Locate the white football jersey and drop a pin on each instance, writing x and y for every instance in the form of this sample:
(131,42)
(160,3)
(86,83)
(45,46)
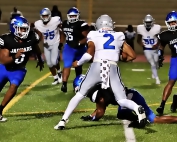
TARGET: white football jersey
(50,31)
(107,44)
(149,38)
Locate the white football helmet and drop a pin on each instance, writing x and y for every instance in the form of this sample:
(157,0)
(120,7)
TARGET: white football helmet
(148,21)
(45,14)
(105,22)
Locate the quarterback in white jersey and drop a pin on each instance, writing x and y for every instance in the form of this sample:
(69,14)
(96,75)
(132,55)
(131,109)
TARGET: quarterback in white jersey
(105,44)
(49,27)
(147,38)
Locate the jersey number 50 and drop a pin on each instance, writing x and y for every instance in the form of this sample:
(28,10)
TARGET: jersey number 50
(107,45)
(149,41)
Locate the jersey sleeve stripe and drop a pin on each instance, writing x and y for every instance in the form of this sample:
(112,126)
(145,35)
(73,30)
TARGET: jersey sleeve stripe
(84,24)
(1,42)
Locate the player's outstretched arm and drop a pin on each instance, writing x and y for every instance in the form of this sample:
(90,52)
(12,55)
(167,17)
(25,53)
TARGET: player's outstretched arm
(166,119)
(5,57)
(131,55)
(84,40)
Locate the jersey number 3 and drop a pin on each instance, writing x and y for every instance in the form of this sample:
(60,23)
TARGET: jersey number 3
(20,59)
(107,45)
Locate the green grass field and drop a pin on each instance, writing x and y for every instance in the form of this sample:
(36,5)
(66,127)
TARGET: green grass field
(32,118)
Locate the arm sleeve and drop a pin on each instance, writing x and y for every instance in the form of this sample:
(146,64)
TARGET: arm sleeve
(84,26)
(162,39)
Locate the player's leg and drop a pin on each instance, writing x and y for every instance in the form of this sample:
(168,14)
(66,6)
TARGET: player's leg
(92,77)
(68,58)
(47,53)
(120,96)
(168,88)
(149,56)
(174,104)
(78,55)
(55,54)
(15,78)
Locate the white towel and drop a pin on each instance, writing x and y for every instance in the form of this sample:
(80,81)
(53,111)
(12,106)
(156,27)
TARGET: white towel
(104,73)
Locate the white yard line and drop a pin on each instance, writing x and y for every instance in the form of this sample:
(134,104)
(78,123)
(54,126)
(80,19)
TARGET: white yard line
(129,133)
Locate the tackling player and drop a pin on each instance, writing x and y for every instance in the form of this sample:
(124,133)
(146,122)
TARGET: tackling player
(169,37)
(103,98)
(147,38)
(49,27)
(105,44)
(14,54)
(75,31)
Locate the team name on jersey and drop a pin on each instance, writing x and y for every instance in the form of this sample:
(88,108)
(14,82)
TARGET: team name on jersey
(68,29)
(173,41)
(26,49)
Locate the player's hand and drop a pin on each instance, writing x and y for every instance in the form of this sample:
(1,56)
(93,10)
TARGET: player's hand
(19,53)
(46,45)
(40,65)
(86,118)
(75,64)
(161,59)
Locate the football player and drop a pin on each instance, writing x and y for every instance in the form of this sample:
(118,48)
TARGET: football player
(147,38)
(169,37)
(15,48)
(103,98)
(75,31)
(105,44)
(50,28)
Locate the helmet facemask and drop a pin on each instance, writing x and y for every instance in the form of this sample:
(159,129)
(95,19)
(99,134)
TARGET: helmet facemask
(21,31)
(73,17)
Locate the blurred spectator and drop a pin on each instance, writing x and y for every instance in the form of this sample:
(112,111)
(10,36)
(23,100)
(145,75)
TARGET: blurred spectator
(15,13)
(56,12)
(130,36)
(0,14)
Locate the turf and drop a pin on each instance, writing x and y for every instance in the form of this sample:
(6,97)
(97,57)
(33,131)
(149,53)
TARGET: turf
(33,117)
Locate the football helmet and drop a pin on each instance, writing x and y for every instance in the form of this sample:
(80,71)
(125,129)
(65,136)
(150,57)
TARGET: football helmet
(73,15)
(45,15)
(171,17)
(148,21)
(105,22)
(77,81)
(20,27)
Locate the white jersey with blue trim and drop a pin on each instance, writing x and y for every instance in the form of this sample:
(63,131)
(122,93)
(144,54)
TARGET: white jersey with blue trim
(50,31)
(107,44)
(149,38)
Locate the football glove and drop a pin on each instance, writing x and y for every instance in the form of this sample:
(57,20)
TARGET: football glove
(40,65)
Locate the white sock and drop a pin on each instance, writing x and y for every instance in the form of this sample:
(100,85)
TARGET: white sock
(128,104)
(154,71)
(72,105)
(56,76)
(58,71)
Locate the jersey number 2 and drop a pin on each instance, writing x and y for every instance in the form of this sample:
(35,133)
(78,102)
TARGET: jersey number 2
(20,59)
(107,45)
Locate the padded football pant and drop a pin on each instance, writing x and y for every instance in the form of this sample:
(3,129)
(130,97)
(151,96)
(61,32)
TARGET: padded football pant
(152,57)
(93,77)
(52,54)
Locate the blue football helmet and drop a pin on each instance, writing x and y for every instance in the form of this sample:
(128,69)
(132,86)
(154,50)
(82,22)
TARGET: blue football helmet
(45,15)
(171,17)
(77,81)
(73,15)
(20,27)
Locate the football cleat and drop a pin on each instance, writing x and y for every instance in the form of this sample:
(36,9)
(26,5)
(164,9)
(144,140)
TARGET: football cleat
(61,124)
(160,110)
(174,104)
(2,119)
(60,77)
(64,88)
(141,117)
(157,81)
(56,81)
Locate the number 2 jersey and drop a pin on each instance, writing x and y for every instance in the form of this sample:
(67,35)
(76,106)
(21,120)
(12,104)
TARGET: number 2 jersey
(149,38)
(73,32)
(107,44)
(50,31)
(170,38)
(9,42)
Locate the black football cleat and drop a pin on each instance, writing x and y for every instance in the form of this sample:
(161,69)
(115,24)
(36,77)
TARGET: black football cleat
(174,104)
(64,88)
(160,110)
